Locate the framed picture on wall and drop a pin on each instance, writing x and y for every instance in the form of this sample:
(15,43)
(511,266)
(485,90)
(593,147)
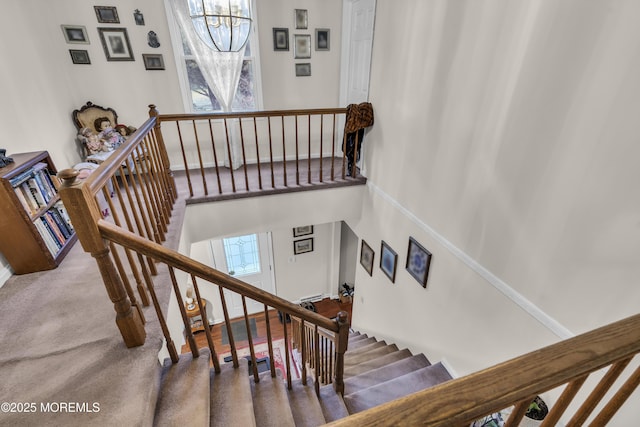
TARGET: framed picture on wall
(107,14)
(303,70)
(280,39)
(388,261)
(366,257)
(79,56)
(115,42)
(302,46)
(75,34)
(302,231)
(418,262)
(153,61)
(322,38)
(303,246)
(301,19)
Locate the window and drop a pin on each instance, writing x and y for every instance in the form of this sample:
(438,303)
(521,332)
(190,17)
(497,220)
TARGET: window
(197,95)
(242,255)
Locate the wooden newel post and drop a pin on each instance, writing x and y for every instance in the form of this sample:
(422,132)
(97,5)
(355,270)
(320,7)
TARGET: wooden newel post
(341,347)
(84,214)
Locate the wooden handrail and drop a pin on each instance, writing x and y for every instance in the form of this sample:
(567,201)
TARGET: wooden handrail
(174,259)
(249,114)
(463,400)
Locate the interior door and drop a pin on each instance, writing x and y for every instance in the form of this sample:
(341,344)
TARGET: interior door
(358,26)
(247,257)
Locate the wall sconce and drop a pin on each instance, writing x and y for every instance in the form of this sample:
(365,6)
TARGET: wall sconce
(223,25)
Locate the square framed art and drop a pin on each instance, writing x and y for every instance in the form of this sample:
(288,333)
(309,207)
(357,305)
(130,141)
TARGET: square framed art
(75,34)
(107,14)
(301,19)
(115,42)
(303,246)
(301,46)
(79,56)
(322,38)
(388,261)
(303,70)
(153,61)
(366,257)
(418,261)
(302,231)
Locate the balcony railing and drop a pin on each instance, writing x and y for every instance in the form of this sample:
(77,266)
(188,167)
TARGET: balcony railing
(122,213)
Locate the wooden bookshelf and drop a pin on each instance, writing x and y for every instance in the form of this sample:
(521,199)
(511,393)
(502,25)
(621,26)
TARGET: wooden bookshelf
(35,233)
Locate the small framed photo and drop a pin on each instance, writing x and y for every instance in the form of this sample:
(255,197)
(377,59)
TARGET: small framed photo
(301,19)
(302,231)
(418,262)
(366,257)
(115,42)
(153,61)
(388,261)
(107,14)
(303,246)
(322,38)
(75,34)
(302,46)
(79,56)
(280,39)
(303,70)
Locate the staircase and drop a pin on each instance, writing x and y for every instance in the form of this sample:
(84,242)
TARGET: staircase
(375,373)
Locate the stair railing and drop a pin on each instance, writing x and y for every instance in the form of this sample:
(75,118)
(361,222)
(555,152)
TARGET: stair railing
(121,213)
(565,365)
(281,145)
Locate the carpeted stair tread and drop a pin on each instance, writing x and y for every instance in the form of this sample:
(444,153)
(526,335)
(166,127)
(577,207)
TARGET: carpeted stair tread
(305,405)
(360,343)
(354,351)
(357,359)
(231,401)
(270,402)
(396,388)
(355,336)
(333,407)
(350,371)
(184,391)
(385,373)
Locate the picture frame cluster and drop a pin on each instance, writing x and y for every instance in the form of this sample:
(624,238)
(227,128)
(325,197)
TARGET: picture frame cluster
(302,42)
(114,40)
(305,245)
(418,261)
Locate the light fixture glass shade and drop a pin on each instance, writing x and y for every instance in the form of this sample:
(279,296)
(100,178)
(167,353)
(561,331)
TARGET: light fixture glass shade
(223,25)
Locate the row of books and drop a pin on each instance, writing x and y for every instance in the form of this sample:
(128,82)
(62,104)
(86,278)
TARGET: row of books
(35,187)
(55,227)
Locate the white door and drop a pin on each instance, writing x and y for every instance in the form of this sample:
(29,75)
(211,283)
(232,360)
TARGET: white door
(358,24)
(248,258)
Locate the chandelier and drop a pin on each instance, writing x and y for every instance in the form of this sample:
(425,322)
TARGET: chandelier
(223,25)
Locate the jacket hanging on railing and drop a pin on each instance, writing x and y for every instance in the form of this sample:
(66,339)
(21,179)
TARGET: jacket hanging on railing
(359,116)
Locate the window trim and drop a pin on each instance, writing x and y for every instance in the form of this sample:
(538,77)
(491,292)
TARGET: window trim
(183,78)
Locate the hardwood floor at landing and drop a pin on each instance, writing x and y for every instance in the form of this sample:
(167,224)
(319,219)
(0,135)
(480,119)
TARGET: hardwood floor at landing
(327,307)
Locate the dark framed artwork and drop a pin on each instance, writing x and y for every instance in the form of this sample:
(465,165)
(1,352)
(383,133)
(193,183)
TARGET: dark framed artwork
(79,56)
(301,20)
(138,17)
(107,14)
(388,261)
(303,70)
(301,46)
(303,246)
(366,257)
(303,231)
(115,42)
(75,34)
(153,61)
(322,38)
(280,39)
(418,261)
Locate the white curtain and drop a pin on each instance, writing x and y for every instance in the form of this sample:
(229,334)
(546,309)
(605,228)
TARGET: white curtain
(221,71)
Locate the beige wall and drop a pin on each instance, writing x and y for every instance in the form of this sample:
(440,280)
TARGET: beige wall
(518,122)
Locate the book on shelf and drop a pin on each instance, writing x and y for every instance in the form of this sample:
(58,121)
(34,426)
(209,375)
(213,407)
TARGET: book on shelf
(55,231)
(63,212)
(46,237)
(37,194)
(62,226)
(26,192)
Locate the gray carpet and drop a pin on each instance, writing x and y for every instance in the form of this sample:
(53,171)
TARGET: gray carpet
(60,344)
